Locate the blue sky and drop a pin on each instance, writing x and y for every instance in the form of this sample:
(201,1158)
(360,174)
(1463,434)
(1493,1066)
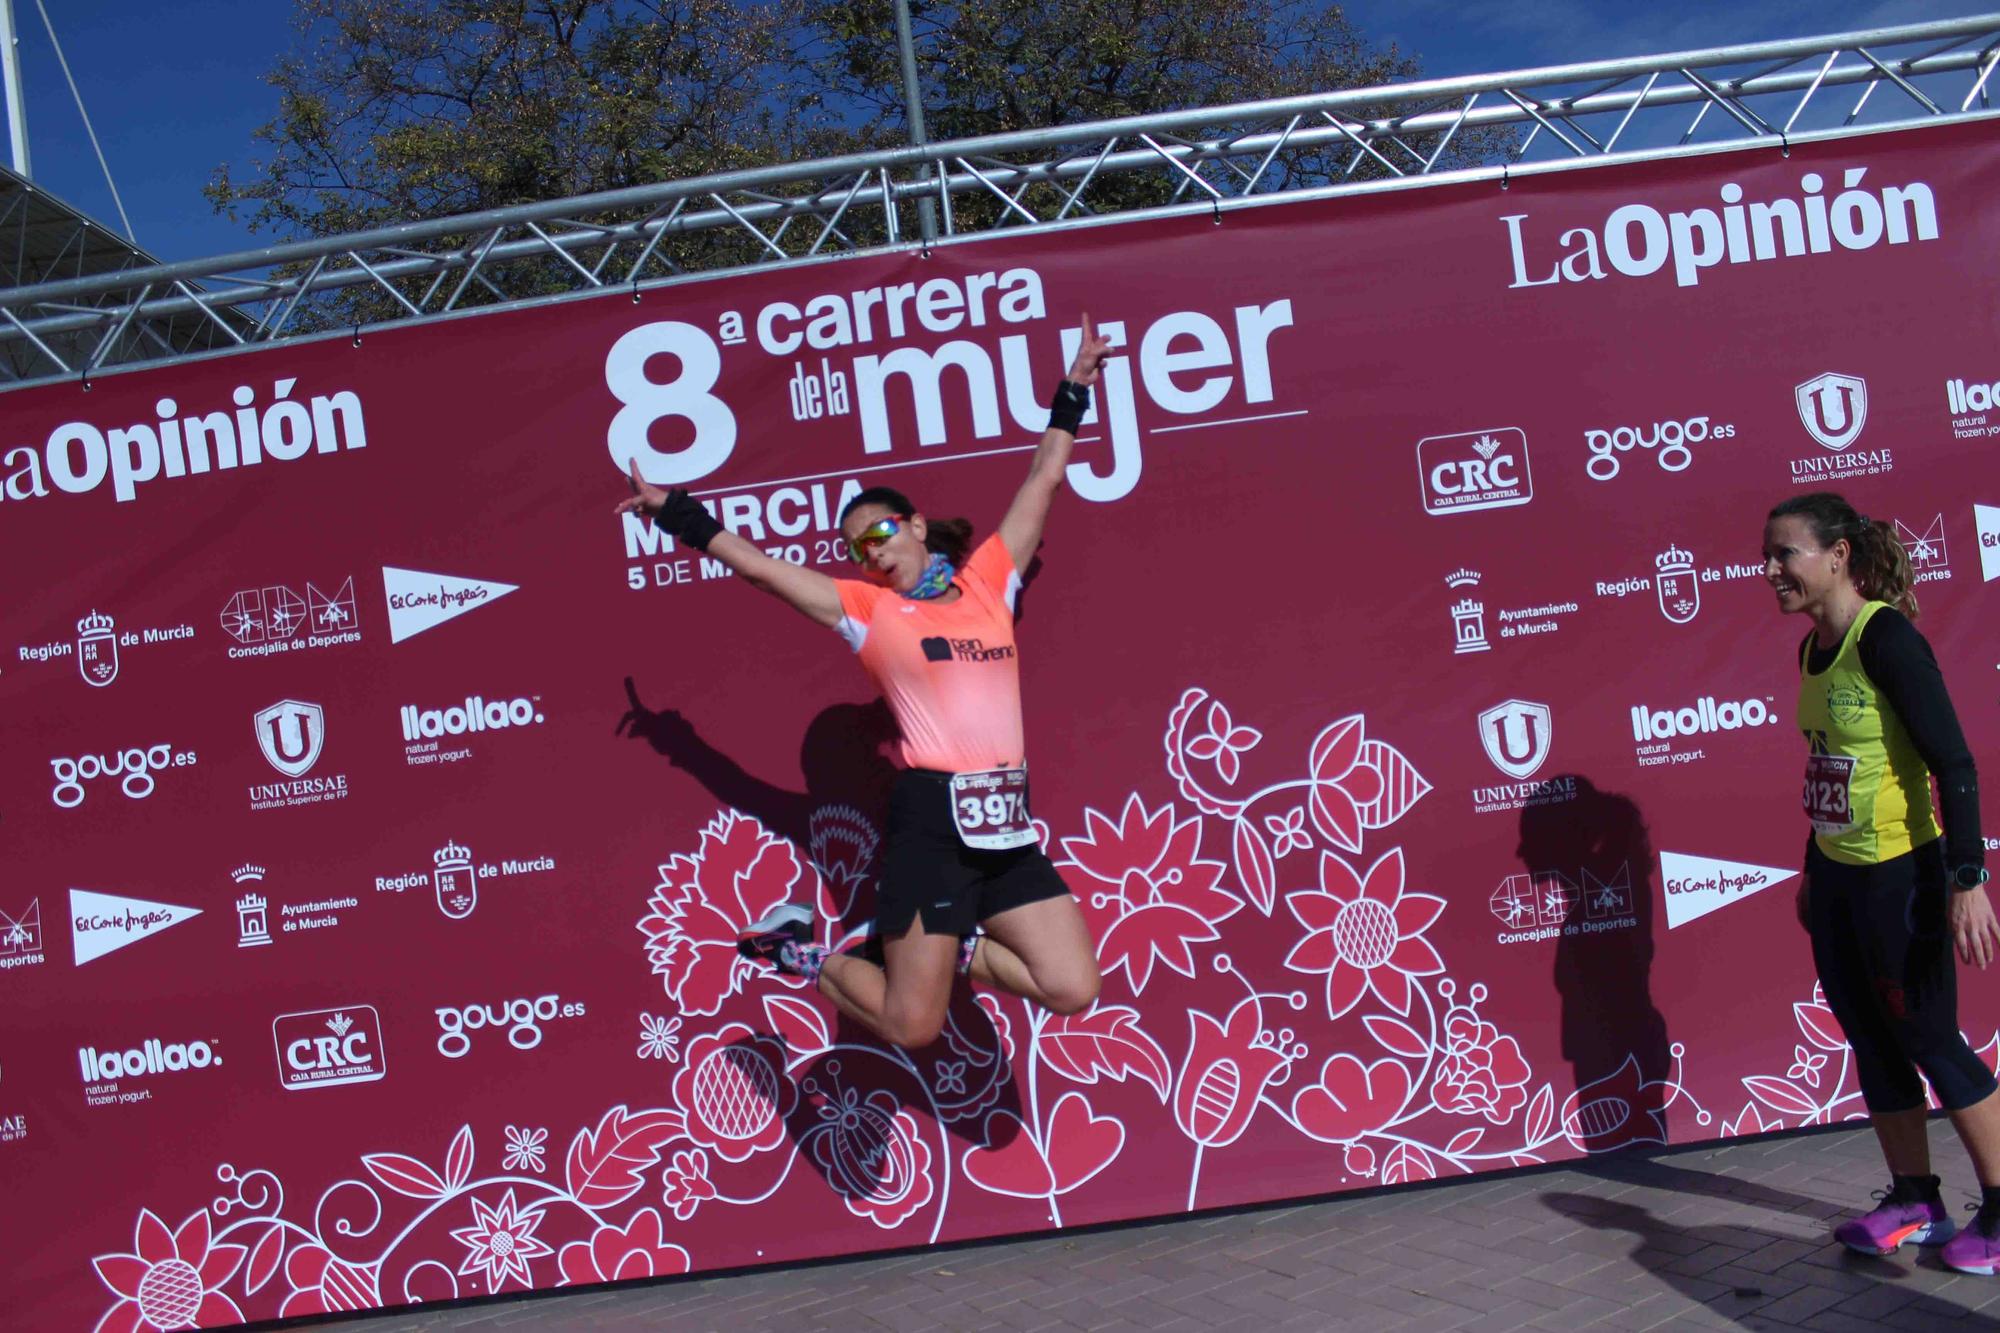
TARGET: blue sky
(176,89)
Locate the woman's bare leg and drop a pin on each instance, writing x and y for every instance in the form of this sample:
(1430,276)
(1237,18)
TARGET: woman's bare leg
(903,1000)
(1041,951)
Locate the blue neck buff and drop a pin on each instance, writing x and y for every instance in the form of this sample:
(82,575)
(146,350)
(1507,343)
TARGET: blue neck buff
(937,577)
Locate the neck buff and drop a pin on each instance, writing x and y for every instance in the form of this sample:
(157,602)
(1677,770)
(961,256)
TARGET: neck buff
(937,577)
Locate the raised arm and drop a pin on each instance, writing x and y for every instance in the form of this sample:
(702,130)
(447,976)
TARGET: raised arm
(1022,528)
(811,593)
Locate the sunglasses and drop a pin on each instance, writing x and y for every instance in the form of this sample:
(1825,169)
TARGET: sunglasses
(881,530)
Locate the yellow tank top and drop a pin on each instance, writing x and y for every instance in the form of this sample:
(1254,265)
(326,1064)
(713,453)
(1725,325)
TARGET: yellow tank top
(1867,790)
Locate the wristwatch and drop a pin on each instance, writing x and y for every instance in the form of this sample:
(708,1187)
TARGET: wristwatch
(1969,877)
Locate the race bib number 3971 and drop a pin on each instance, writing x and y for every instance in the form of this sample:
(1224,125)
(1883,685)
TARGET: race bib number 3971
(991,809)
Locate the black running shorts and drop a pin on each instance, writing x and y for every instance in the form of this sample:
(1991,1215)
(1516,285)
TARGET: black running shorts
(928,872)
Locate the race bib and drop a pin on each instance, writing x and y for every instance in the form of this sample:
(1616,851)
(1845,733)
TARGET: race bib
(991,809)
(1829,778)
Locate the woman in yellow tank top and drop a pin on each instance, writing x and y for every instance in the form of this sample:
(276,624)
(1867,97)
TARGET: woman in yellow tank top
(1886,895)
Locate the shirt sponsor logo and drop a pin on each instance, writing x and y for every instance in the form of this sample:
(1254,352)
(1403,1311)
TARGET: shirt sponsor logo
(938,648)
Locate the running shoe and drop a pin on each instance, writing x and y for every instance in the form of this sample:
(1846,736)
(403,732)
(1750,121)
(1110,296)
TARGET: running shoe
(788,923)
(1905,1215)
(1976,1249)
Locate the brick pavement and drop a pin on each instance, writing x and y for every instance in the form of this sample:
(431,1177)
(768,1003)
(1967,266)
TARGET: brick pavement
(1701,1237)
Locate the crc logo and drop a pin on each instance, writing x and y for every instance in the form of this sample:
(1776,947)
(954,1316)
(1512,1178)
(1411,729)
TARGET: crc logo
(1671,438)
(291,734)
(522,1018)
(326,1047)
(276,613)
(1833,408)
(1516,735)
(1480,469)
(134,768)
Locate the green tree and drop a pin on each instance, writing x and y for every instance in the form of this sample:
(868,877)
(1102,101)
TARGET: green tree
(393,110)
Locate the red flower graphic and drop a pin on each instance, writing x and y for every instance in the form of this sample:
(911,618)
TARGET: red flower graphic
(500,1242)
(612,1255)
(1225,1072)
(1482,1072)
(873,1154)
(1750,1121)
(322,1284)
(1616,1111)
(172,1279)
(1144,889)
(1224,742)
(734,1091)
(739,873)
(1342,783)
(687,1182)
(843,845)
(1352,1099)
(1364,934)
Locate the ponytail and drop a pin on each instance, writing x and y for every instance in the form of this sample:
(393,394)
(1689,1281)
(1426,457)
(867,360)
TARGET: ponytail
(1878,564)
(949,537)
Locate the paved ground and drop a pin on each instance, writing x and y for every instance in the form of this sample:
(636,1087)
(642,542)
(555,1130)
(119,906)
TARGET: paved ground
(1701,1237)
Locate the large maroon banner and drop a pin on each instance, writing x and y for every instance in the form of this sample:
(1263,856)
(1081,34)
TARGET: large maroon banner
(1405,706)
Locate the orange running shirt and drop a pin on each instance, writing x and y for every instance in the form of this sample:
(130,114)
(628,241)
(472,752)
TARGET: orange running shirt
(948,671)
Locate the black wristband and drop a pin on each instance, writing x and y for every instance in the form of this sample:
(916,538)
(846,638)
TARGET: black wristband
(1067,405)
(683,516)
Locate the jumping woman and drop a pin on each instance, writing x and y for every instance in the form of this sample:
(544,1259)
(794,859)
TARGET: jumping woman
(1885,896)
(932,621)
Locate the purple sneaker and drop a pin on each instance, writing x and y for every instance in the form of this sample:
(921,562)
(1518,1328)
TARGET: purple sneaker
(1977,1248)
(786,924)
(1905,1215)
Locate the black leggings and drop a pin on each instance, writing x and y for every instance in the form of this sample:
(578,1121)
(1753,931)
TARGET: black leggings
(1880,941)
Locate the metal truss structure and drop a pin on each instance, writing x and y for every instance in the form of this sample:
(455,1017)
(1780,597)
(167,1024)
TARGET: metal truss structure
(1210,158)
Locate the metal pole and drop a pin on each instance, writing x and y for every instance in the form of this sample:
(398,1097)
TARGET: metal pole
(10,74)
(913,106)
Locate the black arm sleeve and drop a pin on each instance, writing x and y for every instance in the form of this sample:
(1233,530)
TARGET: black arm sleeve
(1899,660)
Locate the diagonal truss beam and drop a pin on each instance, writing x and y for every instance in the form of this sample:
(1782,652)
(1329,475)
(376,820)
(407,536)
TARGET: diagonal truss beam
(1332,142)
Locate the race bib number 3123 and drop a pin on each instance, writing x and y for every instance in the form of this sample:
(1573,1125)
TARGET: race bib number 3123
(1829,783)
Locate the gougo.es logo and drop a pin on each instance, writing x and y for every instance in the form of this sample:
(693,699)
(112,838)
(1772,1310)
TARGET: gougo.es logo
(134,768)
(523,1019)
